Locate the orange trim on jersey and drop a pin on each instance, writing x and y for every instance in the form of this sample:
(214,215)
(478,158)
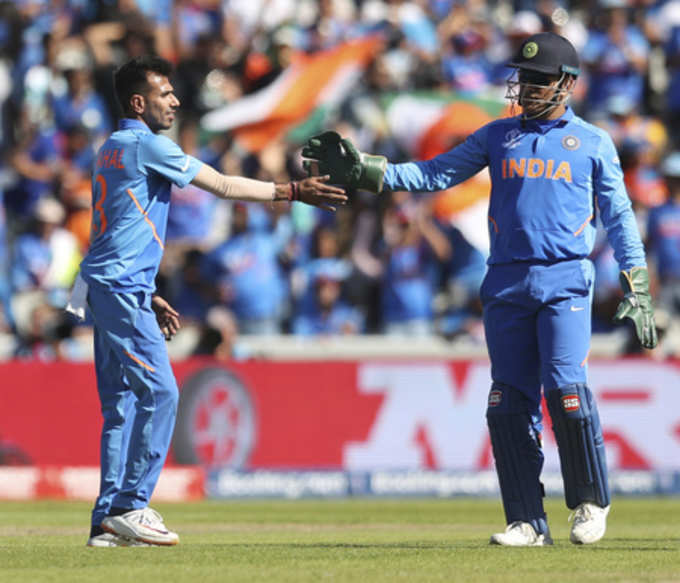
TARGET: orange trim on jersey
(495,226)
(583,226)
(140,363)
(146,218)
(583,362)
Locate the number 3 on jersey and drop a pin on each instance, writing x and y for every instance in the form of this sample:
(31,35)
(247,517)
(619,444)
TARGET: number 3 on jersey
(99,222)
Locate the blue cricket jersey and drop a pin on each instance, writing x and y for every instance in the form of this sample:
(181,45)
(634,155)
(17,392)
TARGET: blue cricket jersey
(548,180)
(130,199)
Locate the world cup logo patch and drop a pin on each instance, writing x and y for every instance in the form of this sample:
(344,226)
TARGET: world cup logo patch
(512,138)
(571,143)
(495,398)
(571,403)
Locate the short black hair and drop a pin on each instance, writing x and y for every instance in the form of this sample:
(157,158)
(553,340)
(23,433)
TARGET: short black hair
(131,77)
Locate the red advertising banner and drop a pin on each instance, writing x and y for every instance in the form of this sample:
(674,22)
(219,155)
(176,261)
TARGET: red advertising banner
(355,416)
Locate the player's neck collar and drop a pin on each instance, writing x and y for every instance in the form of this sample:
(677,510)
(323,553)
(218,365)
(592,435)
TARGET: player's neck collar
(546,124)
(127,123)
(566,116)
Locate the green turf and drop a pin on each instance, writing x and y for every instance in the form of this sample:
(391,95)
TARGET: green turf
(363,541)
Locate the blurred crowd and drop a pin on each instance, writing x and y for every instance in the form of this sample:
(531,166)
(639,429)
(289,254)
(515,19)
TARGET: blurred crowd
(398,264)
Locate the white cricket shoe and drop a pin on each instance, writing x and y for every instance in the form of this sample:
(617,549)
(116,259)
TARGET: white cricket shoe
(108,539)
(590,523)
(520,534)
(144,525)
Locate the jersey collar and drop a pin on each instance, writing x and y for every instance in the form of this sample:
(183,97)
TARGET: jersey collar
(544,125)
(127,123)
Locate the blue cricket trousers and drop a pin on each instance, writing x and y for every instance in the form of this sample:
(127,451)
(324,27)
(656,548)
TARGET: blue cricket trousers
(138,395)
(537,324)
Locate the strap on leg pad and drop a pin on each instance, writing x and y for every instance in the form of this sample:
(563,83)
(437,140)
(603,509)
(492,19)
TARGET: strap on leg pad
(515,438)
(578,433)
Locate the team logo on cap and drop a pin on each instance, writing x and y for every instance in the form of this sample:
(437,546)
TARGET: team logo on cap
(571,403)
(571,143)
(530,50)
(495,398)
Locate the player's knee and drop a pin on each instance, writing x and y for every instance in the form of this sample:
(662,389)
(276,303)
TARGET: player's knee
(507,400)
(171,396)
(574,401)
(166,395)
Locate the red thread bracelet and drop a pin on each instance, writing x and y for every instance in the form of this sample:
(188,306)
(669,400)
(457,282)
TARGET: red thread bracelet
(294,191)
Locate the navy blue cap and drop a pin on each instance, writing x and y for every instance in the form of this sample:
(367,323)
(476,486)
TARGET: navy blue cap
(547,52)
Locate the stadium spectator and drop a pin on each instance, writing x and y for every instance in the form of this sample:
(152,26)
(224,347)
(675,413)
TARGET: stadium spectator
(45,257)
(43,266)
(78,104)
(462,277)
(623,120)
(326,313)
(663,235)
(615,56)
(320,307)
(413,246)
(57,60)
(37,166)
(643,181)
(248,276)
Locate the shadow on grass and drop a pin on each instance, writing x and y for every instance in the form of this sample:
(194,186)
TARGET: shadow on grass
(628,544)
(611,545)
(339,546)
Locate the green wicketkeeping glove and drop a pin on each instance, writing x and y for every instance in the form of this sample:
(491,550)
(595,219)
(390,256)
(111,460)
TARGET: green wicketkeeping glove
(346,166)
(637,305)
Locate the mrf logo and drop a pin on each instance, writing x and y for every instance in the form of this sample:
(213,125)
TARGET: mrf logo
(431,416)
(571,403)
(495,398)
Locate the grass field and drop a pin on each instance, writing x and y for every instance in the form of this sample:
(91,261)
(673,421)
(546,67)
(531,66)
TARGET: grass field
(339,540)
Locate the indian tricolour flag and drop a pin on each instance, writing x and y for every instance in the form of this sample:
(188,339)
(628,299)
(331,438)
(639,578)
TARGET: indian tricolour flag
(311,81)
(429,123)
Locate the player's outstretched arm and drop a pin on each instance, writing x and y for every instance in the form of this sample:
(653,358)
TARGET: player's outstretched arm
(313,191)
(637,305)
(330,154)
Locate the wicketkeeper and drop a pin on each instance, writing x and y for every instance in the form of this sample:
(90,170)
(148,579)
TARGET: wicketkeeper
(552,173)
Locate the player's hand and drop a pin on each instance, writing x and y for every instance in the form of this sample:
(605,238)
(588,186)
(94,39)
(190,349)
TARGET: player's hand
(317,192)
(328,153)
(637,305)
(167,317)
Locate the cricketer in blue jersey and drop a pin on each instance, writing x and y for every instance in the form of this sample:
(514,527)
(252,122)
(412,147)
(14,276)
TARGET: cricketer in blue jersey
(551,173)
(133,173)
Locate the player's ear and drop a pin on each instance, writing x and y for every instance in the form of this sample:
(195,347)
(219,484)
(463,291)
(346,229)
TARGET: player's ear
(137,103)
